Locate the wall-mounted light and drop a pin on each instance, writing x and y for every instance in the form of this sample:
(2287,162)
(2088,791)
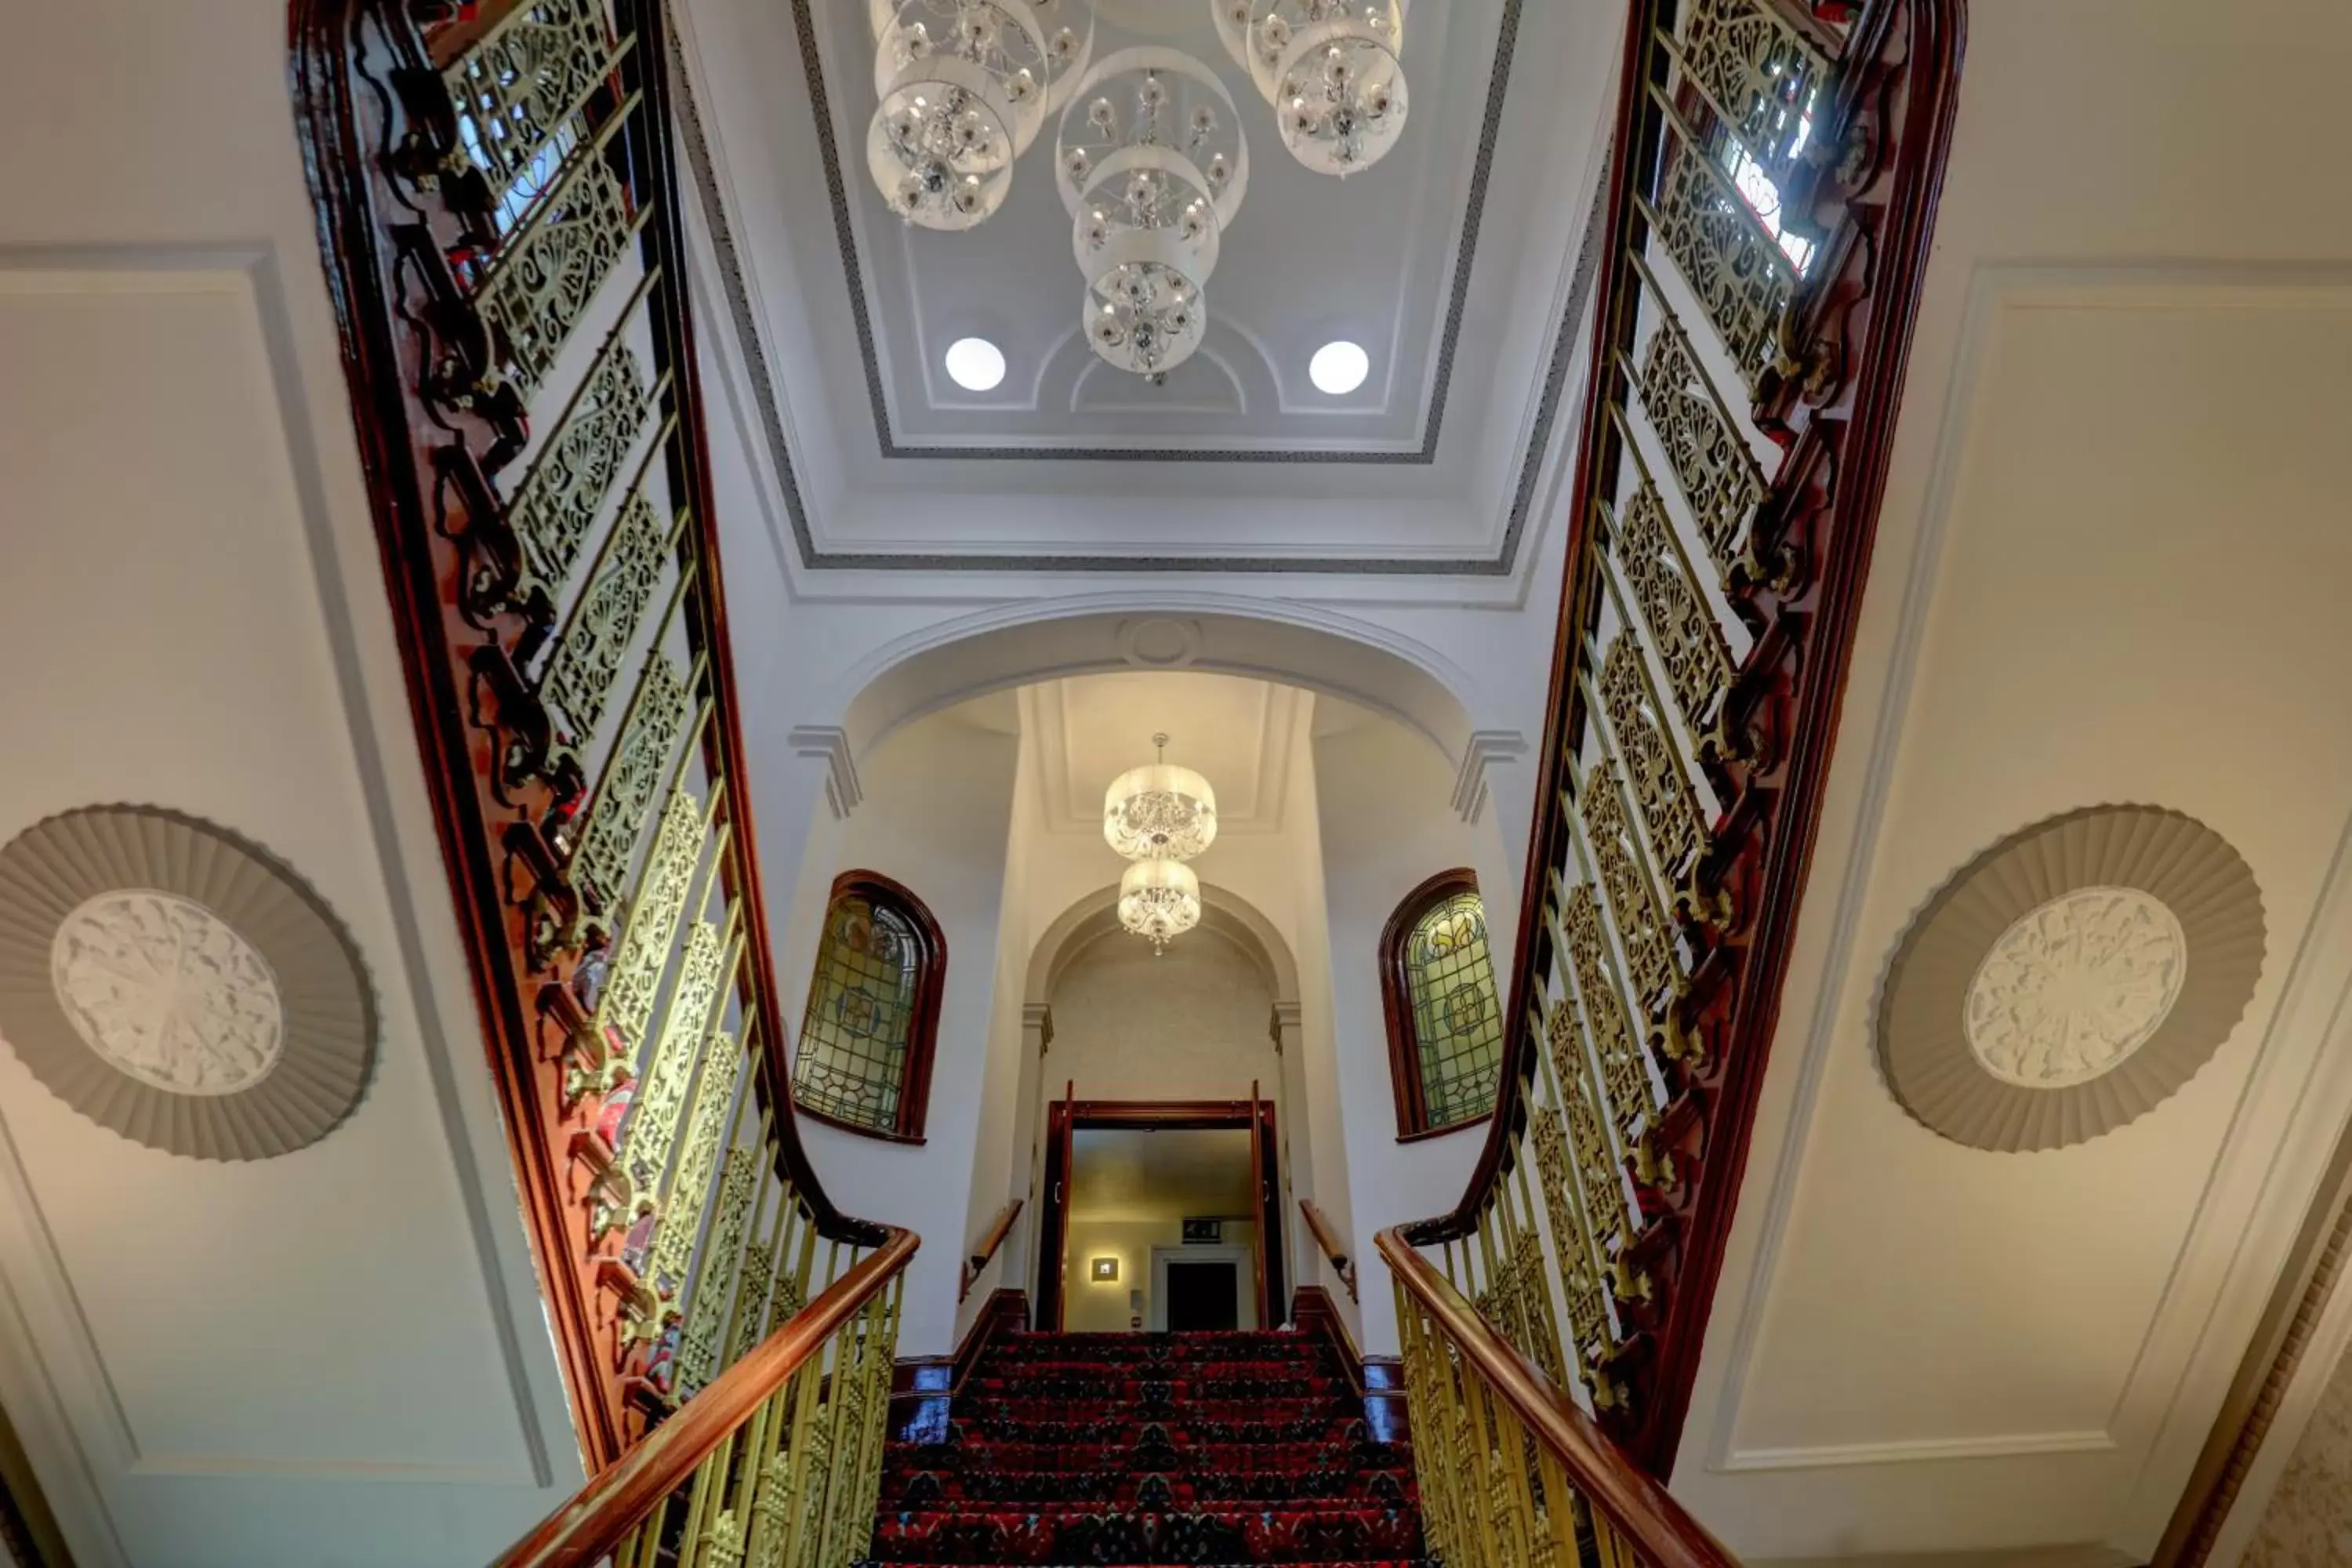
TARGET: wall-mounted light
(1105,1267)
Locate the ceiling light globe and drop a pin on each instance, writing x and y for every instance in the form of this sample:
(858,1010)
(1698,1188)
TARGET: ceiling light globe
(975,364)
(1339,368)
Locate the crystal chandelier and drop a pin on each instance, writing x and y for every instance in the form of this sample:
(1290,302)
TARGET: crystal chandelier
(964,86)
(1333,70)
(1159,811)
(1158,900)
(1152,165)
(1159,816)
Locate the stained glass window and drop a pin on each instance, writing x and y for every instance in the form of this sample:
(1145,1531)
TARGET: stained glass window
(1444,1008)
(864,1040)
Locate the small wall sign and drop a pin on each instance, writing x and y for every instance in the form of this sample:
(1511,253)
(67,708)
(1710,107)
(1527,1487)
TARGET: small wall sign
(1105,1267)
(1210,1231)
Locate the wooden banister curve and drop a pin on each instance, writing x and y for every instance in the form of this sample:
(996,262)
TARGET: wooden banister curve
(1661,1532)
(595,1523)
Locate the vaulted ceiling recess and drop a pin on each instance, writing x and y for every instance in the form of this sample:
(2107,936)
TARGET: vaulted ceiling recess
(1151,158)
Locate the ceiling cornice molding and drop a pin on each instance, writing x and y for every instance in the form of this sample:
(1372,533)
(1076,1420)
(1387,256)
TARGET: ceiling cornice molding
(830,744)
(753,346)
(1486,748)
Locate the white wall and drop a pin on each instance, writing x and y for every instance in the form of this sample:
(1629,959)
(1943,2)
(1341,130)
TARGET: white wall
(1386,827)
(938,802)
(1186,1024)
(193,614)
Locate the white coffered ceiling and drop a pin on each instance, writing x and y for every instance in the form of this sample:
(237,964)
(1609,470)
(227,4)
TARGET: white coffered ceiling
(1090,729)
(1454,262)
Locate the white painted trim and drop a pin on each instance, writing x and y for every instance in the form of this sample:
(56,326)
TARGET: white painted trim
(830,744)
(1913,1450)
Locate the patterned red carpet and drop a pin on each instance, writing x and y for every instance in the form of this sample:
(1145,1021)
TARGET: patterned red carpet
(1151,1449)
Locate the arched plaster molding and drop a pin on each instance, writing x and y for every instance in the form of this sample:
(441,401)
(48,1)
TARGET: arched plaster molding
(1022,642)
(1223,913)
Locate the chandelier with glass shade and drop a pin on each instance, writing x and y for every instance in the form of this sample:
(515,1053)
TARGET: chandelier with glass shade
(1159,816)
(963,87)
(1333,70)
(1152,166)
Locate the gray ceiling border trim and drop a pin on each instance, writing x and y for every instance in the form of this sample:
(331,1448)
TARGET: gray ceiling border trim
(853,268)
(753,345)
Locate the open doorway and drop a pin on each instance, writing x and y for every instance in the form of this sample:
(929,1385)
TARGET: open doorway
(1160,1218)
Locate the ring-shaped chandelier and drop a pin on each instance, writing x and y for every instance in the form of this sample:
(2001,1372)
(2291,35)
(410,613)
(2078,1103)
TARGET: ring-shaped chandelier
(962,87)
(1333,70)
(1152,163)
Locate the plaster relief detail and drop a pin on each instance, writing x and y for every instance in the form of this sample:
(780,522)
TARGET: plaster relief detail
(2075,986)
(165,990)
(2070,979)
(180,985)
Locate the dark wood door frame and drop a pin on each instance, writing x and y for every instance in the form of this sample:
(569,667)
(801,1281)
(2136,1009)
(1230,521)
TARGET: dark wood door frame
(1066,1116)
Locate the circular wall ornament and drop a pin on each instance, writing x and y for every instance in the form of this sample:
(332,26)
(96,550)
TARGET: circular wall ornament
(179,984)
(2071,978)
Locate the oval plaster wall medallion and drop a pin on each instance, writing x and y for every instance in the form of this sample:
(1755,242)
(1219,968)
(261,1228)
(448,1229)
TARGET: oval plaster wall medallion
(179,984)
(2071,978)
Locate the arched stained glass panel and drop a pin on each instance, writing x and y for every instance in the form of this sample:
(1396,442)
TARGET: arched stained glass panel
(871,1007)
(1445,1019)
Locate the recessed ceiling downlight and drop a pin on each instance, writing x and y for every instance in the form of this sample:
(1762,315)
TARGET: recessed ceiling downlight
(975,364)
(1339,368)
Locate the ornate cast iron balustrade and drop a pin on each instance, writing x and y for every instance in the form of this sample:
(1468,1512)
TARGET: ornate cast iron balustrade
(498,211)
(1512,1474)
(1774,176)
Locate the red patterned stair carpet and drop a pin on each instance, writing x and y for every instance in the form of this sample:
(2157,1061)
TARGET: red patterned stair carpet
(1222,1448)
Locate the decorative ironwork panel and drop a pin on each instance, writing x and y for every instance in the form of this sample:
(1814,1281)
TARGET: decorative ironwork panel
(1624,1066)
(1684,632)
(1640,919)
(1740,273)
(641,757)
(1541,1341)
(538,291)
(705,1313)
(1602,1182)
(515,90)
(689,1188)
(558,500)
(601,627)
(852,1060)
(789,1298)
(1717,473)
(750,1301)
(652,1125)
(1588,1323)
(1759,73)
(1670,808)
(635,979)
(1456,1018)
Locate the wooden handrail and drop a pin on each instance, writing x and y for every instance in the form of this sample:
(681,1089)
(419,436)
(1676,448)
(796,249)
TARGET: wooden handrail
(584,1531)
(1320,1227)
(1661,1530)
(998,1229)
(1825,392)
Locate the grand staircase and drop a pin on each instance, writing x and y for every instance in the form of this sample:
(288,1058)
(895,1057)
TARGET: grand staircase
(1229,1448)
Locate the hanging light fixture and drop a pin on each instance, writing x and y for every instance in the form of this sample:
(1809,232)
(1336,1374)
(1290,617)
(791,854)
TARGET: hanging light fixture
(1158,900)
(1159,811)
(964,85)
(1333,70)
(1152,165)
(1159,816)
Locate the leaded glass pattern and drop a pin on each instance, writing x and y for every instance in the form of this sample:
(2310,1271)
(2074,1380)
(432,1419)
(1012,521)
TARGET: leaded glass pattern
(1458,1020)
(862,1012)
